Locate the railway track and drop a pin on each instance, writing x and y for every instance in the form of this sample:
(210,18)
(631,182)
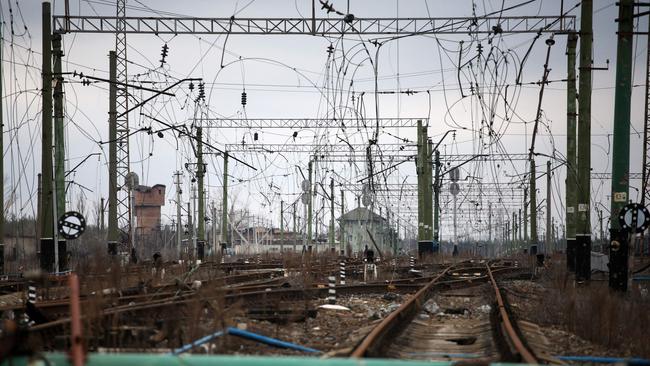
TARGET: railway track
(412,332)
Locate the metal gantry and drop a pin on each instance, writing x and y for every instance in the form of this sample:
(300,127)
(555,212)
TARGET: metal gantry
(316,148)
(316,26)
(305,123)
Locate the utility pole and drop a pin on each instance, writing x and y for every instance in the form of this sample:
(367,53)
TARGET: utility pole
(645,163)
(619,252)
(549,237)
(309,205)
(600,221)
(332,226)
(514,229)
(425,216)
(533,206)
(428,200)
(2,173)
(489,222)
(583,223)
(47,201)
(59,142)
(571,163)
(341,229)
(224,212)
(525,244)
(112,235)
(179,215)
(190,231)
(281,227)
(519,228)
(436,201)
(101,222)
(295,228)
(200,173)
(214,229)
(195,247)
(59,151)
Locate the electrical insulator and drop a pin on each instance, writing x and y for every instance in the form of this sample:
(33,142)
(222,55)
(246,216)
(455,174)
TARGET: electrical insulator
(164,53)
(255,136)
(243,98)
(330,49)
(201,92)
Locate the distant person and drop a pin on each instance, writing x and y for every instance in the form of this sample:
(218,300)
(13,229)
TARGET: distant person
(369,255)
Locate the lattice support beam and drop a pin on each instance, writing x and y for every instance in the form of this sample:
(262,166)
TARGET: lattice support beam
(304,123)
(122,104)
(319,26)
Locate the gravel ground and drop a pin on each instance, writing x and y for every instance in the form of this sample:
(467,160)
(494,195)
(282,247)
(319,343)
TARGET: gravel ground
(329,331)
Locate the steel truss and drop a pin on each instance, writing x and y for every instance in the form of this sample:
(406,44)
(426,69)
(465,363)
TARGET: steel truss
(318,26)
(122,105)
(307,123)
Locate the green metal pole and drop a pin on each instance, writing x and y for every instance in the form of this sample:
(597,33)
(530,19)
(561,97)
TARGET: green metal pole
(2,173)
(281,227)
(436,201)
(549,237)
(47,221)
(112,235)
(526,216)
(428,199)
(59,142)
(200,174)
(571,163)
(533,204)
(332,236)
(514,228)
(295,228)
(618,253)
(583,222)
(421,172)
(224,210)
(519,237)
(342,230)
(309,205)
(490,222)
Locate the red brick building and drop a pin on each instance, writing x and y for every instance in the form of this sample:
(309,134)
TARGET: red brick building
(148,203)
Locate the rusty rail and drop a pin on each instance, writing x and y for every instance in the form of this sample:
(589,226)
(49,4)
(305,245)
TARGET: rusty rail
(397,318)
(510,332)
(395,321)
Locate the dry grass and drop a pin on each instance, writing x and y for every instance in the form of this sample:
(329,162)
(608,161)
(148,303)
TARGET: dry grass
(593,312)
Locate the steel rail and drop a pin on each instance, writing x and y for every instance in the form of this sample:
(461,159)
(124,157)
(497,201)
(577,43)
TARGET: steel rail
(407,311)
(514,339)
(396,318)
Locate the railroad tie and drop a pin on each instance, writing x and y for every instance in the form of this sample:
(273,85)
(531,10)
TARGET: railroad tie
(342,272)
(331,293)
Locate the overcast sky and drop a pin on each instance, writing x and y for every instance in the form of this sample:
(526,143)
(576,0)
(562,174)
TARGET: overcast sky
(293,76)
